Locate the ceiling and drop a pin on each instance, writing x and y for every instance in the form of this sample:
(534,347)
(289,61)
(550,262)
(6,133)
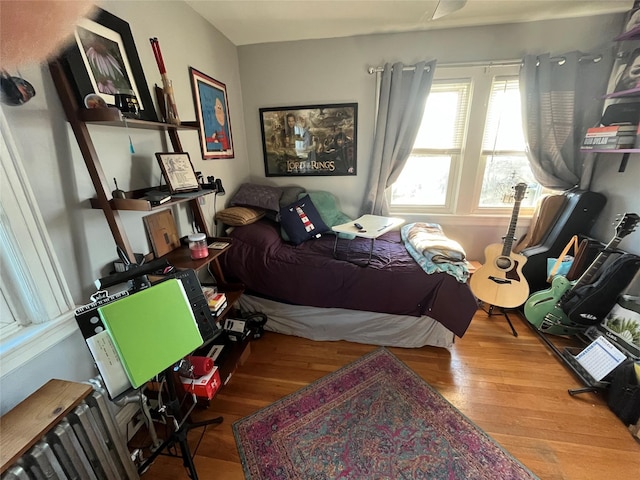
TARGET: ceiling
(246,22)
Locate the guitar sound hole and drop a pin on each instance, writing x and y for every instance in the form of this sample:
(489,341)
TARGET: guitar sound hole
(503,263)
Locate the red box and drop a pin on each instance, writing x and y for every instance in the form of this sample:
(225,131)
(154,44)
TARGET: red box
(205,386)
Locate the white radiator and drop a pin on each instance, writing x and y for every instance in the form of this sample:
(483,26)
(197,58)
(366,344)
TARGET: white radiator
(84,445)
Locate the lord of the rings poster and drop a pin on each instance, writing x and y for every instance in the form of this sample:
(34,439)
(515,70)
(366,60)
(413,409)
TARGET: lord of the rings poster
(311,140)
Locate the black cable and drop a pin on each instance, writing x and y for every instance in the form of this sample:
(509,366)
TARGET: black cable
(195,450)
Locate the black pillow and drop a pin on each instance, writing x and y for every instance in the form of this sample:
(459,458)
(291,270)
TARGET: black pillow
(301,221)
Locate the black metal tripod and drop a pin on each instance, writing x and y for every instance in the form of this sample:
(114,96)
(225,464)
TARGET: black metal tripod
(506,315)
(179,435)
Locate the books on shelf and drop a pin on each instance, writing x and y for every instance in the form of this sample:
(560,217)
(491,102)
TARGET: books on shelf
(611,137)
(612,130)
(156,198)
(217,301)
(615,142)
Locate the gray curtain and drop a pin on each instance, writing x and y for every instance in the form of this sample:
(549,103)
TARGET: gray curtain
(403,93)
(561,97)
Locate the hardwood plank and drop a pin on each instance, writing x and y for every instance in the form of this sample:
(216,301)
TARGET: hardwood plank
(514,388)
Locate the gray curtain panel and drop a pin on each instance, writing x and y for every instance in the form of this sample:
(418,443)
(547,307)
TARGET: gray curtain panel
(562,96)
(403,93)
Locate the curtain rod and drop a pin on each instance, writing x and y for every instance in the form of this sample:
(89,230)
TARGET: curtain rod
(489,63)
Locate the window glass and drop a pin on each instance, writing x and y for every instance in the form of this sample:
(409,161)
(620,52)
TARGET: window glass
(426,177)
(424,181)
(443,123)
(470,144)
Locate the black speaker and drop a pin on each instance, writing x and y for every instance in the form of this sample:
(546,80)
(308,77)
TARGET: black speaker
(207,322)
(621,113)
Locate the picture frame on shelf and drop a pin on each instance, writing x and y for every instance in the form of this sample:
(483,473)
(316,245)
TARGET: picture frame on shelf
(212,111)
(178,171)
(103,60)
(314,140)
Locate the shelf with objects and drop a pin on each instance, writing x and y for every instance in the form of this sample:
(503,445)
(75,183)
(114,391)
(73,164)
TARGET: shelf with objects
(180,258)
(624,84)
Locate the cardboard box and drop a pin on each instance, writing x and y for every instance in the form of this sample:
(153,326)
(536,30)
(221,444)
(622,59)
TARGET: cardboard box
(205,386)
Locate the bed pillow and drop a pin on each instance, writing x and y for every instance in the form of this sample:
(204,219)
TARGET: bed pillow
(239,216)
(325,203)
(301,221)
(290,195)
(260,196)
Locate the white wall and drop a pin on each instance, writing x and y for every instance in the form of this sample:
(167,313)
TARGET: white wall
(621,189)
(335,70)
(62,186)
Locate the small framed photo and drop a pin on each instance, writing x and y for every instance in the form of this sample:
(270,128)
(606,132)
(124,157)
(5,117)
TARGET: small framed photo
(212,110)
(177,170)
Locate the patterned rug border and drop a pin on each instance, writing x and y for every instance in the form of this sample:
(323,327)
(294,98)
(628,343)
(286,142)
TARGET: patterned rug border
(329,377)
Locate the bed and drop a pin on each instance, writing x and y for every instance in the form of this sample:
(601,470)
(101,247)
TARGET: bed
(311,291)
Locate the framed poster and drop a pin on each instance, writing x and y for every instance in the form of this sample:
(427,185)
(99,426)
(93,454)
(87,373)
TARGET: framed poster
(104,61)
(212,110)
(177,170)
(311,140)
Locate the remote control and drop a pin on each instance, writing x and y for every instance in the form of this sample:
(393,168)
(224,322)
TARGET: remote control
(358,226)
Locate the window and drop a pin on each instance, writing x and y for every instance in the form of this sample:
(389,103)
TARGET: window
(33,294)
(427,178)
(470,148)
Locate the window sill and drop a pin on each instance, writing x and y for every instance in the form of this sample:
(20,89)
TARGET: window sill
(471,220)
(31,341)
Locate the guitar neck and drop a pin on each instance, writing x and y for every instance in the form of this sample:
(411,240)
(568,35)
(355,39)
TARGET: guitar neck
(508,239)
(587,276)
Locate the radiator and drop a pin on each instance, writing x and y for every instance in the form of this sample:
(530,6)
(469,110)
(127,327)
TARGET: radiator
(84,445)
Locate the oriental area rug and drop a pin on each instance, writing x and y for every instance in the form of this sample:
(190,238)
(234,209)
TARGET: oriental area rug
(372,419)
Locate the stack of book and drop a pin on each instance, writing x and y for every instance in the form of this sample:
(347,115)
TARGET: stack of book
(611,137)
(216,300)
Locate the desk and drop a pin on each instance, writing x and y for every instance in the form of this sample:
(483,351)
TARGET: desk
(372,227)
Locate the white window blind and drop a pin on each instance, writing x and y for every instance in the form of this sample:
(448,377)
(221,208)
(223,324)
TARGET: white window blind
(444,121)
(503,130)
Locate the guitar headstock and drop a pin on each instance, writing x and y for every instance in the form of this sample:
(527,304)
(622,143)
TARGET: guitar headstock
(520,189)
(627,224)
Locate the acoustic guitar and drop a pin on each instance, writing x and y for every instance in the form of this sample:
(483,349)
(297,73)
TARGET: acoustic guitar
(499,282)
(544,308)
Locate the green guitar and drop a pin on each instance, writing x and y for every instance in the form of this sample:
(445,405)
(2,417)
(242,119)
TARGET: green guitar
(544,308)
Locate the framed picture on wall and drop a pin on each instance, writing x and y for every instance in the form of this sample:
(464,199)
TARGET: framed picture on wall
(315,140)
(212,110)
(104,61)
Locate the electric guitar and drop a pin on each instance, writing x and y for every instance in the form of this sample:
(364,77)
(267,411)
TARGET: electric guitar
(544,308)
(499,281)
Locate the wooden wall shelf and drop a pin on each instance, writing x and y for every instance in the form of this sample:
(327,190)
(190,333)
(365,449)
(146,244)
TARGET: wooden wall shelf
(136,202)
(112,117)
(633,92)
(632,34)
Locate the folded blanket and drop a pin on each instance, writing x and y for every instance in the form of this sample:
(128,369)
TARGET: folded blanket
(434,252)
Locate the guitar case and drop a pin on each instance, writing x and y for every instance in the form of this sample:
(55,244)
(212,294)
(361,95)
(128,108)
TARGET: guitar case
(579,212)
(589,304)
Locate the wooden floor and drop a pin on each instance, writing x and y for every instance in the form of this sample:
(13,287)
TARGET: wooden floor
(515,389)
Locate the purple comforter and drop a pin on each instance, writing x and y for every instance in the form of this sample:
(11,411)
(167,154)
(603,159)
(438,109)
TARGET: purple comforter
(308,274)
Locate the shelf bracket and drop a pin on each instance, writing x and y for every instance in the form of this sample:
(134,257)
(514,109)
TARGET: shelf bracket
(623,162)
